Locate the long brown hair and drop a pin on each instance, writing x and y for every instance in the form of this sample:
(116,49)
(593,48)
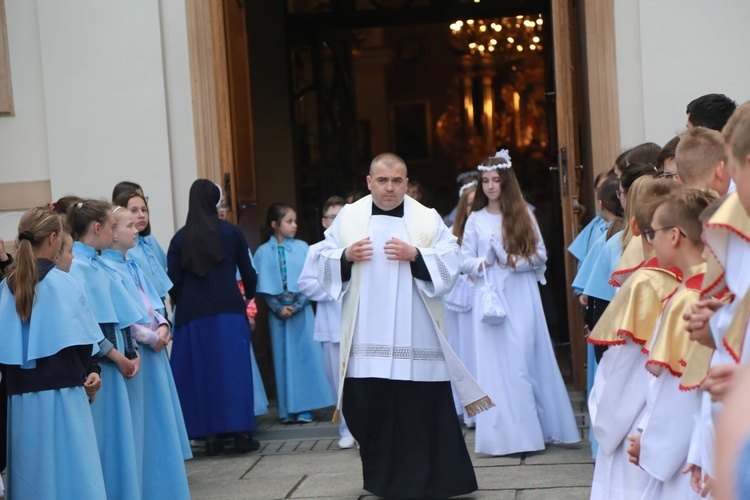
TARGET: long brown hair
(519,236)
(35,227)
(459,223)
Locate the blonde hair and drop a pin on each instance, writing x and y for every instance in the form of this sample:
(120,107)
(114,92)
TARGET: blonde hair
(35,227)
(697,152)
(633,195)
(736,133)
(683,209)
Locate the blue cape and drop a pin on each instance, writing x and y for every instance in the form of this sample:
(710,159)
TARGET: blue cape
(60,318)
(598,283)
(126,268)
(107,295)
(153,261)
(587,266)
(266,262)
(586,238)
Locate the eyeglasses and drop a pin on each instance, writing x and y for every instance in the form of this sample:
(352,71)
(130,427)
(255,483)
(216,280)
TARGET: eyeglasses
(329,217)
(649,234)
(620,193)
(667,175)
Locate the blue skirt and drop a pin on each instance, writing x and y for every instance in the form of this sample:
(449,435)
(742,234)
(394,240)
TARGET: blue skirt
(161,441)
(52,448)
(113,421)
(212,371)
(301,382)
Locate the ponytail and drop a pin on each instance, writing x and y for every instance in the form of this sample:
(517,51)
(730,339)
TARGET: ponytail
(82,214)
(35,227)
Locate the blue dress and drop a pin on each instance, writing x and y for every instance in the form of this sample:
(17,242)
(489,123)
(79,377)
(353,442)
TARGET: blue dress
(301,382)
(598,283)
(50,430)
(260,399)
(114,309)
(153,261)
(161,437)
(211,347)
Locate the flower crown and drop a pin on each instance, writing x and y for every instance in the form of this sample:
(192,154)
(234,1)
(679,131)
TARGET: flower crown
(493,162)
(466,187)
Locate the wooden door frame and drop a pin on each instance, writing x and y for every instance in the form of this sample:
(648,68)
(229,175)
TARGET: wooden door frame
(597,75)
(209,87)
(595,69)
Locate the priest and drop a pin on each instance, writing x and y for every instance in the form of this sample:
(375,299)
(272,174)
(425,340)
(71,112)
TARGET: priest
(390,259)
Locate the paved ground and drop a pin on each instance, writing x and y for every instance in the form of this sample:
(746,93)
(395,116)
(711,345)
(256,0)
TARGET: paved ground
(303,461)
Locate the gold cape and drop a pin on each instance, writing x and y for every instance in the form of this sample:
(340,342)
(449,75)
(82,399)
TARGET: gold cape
(731,217)
(632,259)
(696,364)
(636,307)
(668,348)
(734,337)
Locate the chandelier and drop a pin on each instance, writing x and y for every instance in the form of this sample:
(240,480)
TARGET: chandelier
(509,34)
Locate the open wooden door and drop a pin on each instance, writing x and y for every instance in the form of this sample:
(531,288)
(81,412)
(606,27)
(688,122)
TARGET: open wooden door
(564,31)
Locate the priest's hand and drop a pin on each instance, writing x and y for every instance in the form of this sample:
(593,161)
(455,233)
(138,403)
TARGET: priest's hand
(397,249)
(359,251)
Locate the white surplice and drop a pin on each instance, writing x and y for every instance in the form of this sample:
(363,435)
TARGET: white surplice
(327,328)
(667,429)
(515,361)
(392,322)
(616,404)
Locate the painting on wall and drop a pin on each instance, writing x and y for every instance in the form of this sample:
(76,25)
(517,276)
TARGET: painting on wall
(411,131)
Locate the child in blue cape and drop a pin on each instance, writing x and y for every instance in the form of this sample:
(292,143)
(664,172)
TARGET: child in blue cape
(147,252)
(92,224)
(301,383)
(157,415)
(48,334)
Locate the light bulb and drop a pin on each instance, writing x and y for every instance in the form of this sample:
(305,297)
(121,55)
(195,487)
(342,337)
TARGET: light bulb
(519,48)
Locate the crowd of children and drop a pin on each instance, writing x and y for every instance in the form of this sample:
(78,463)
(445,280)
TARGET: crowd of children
(668,319)
(85,329)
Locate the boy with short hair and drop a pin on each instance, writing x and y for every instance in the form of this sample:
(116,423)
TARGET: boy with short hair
(328,315)
(701,160)
(618,397)
(661,448)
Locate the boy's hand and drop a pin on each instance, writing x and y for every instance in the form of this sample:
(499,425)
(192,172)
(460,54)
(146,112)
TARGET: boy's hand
(719,381)
(634,450)
(695,476)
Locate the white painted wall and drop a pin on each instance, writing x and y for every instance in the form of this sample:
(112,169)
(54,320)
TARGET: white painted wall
(672,51)
(179,106)
(102,94)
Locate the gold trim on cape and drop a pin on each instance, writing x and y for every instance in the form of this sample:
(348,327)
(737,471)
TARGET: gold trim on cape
(636,307)
(669,347)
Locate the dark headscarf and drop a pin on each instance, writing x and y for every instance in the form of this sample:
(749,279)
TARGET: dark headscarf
(202,248)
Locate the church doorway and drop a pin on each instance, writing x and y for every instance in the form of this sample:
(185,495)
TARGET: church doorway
(334,82)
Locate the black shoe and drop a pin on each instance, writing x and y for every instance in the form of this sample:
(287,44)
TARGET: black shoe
(213,448)
(245,444)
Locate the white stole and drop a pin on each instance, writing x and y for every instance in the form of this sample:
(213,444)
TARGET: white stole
(423,230)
